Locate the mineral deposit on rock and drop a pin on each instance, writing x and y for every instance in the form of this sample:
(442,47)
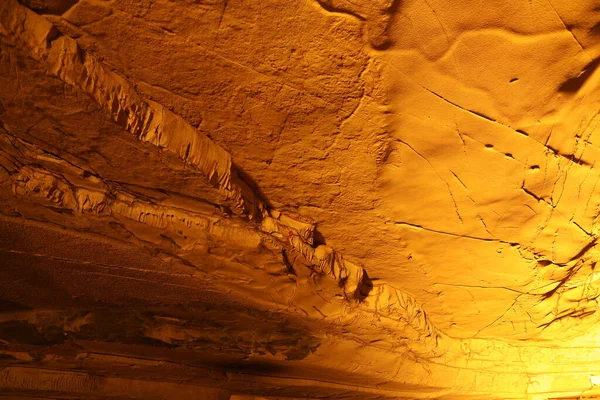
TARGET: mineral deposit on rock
(331,199)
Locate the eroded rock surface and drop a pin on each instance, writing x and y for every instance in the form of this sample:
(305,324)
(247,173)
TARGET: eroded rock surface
(307,199)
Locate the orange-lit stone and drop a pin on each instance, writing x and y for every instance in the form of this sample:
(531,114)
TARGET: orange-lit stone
(239,199)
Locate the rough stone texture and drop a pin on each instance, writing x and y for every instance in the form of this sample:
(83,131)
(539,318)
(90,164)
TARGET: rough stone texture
(238,199)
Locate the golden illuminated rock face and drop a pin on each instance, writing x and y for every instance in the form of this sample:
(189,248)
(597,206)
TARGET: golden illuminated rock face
(304,199)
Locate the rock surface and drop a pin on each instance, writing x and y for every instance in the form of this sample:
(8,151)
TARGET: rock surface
(234,199)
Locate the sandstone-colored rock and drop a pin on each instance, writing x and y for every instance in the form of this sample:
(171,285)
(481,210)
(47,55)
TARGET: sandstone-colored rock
(234,199)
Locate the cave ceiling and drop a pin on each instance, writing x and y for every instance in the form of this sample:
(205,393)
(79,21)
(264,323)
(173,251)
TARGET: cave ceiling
(239,199)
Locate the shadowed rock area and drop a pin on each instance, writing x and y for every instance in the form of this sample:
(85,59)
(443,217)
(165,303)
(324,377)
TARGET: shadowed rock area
(308,199)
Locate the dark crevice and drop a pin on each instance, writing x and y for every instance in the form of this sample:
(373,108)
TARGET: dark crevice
(327,6)
(530,193)
(574,84)
(52,7)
